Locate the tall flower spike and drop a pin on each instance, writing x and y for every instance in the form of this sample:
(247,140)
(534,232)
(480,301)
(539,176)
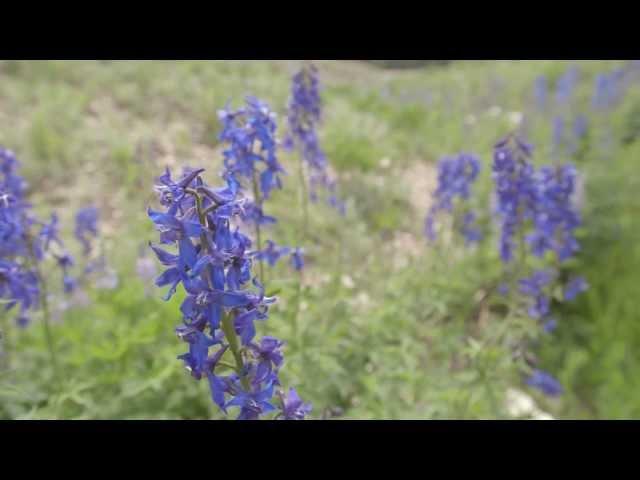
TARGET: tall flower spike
(456,176)
(86,227)
(19,284)
(304,114)
(515,190)
(555,216)
(540,92)
(566,85)
(249,133)
(213,261)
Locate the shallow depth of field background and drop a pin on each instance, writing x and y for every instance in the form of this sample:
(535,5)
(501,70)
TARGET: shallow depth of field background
(390,327)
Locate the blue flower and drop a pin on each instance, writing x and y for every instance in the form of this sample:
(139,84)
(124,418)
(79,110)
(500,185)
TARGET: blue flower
(304,114)
(566,85)
(455,178)
(554,216)
(253,403)
(180,268)
(293,408)
(580,126)
(271,253)
(576,286)
(250,135)
(49,233)
(550,325)
(544,382)
(213,264)
(534,287)
(540,91)
(86,226)
(515,188)
(604,92)
(65,262)
(268,355)
(297,259)
(199,343)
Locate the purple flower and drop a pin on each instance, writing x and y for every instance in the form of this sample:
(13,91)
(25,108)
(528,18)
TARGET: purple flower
(534,287)
(271,253)
(469,229)
(604,92)
(550,325)
(540,91)
(545,383)
(252,403)
(250,135)
(503,289)
(576,286)
(554,216)
(566,85)
(293,408)
(297,259)
(65,262)
(86,226)
(304,116)
(515,189)
(213,261)
(268,355)
(455,178)
(49,233)
(580,126)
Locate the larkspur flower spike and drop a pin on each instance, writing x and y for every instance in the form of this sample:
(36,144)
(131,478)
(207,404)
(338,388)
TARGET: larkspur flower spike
(456,176)
(304,113)
(213,262)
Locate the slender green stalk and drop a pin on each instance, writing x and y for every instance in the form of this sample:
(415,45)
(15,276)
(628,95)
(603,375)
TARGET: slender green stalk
(46,317)
(234,346)
(46,314)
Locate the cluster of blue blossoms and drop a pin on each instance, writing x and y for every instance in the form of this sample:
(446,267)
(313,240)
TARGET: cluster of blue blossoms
(538,215)
(18,282)
(86,227)
(562,141)
(304,114)
(213,263)
(25,241)
(608,89)
(251,164)
(455,178)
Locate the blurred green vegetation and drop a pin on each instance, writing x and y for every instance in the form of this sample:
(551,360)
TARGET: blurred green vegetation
(388,326)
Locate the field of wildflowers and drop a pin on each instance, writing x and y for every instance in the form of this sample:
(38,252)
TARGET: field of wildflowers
(319,240)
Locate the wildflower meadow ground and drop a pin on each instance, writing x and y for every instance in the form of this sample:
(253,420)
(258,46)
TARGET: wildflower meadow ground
(295,240)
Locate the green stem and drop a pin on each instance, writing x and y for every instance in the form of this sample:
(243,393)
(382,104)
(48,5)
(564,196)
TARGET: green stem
(46,316)
(234,346)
